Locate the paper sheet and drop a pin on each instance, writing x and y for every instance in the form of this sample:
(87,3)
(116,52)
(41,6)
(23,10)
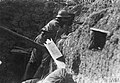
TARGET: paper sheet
(54,52)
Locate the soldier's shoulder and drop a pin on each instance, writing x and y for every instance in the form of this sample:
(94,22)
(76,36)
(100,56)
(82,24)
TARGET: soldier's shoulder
(54,21)
(51,25)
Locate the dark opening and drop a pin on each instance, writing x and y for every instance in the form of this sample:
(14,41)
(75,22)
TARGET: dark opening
(98,39)
(75,65)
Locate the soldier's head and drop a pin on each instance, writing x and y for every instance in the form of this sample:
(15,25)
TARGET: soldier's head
(64,16)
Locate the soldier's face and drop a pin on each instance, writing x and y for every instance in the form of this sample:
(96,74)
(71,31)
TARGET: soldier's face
(65,19)
(68,21)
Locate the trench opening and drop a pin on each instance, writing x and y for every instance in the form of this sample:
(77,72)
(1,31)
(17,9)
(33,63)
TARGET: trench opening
(98,39)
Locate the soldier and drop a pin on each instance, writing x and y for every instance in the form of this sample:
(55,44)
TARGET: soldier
(40,63)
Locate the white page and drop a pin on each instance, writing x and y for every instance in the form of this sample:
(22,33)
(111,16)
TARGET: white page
(54,52)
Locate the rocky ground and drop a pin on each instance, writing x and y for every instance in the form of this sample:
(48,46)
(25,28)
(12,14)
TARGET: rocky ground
(88,64)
